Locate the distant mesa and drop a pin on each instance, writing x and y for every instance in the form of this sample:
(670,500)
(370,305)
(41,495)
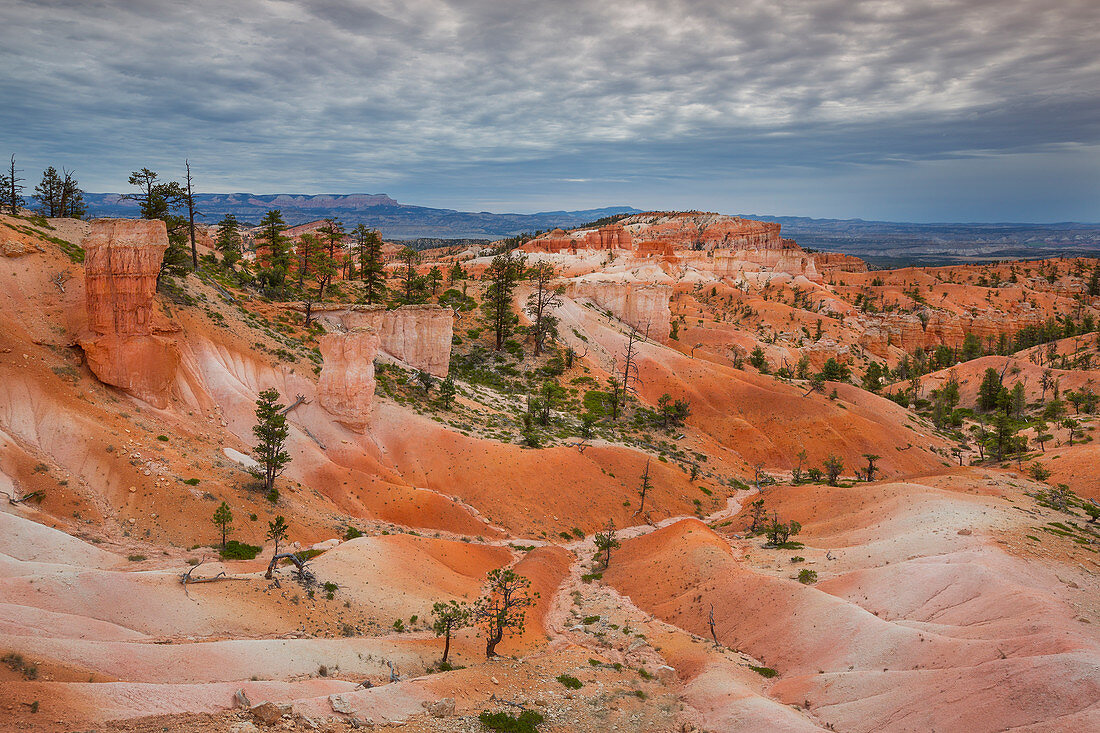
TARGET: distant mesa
(393,219)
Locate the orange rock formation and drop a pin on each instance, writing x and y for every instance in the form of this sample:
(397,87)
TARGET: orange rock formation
(346,385)
(643,306)
(121,265)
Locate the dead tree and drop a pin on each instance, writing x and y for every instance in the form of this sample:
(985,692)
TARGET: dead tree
(303,566)
(299,400)
(630,365)
(710,622)
(186,578)
(36,496)
(644,489)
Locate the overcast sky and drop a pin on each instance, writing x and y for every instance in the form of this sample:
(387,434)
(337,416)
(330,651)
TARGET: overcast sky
(918,110)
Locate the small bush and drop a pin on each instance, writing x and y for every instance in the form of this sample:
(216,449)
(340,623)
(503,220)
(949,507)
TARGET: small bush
(136,558)
(590,620)
(766,672)
(162,438)
(235,550)
(798,558)
(569,681)
(526,722)
(352,533)
(17,664)
(807,576)
(191,482)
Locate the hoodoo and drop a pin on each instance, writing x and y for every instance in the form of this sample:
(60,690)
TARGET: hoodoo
(123,347)
(346,385)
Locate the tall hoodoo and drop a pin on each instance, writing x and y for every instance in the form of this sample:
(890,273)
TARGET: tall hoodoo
(346,387)
(122,261)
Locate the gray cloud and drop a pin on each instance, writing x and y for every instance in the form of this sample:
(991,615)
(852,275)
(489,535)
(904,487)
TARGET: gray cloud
(506,102)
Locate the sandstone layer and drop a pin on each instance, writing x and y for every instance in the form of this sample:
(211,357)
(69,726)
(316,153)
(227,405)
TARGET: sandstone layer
(122,261)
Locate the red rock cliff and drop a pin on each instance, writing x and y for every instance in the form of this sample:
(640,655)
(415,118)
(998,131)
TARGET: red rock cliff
(122,260)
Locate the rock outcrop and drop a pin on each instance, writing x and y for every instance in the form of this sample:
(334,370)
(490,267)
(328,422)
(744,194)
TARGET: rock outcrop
(419,335)
(724,246)
(643,306)
(909,332)
(838,262)
(346,387)
(123,348)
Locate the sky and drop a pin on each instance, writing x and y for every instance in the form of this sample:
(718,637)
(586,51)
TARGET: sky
(901,110)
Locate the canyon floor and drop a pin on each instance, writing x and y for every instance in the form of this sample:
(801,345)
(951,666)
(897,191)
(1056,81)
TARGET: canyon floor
(943,591)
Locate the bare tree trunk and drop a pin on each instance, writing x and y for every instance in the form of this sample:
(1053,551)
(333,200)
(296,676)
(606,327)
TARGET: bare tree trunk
(191,216)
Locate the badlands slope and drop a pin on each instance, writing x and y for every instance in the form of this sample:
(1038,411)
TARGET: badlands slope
(944,600)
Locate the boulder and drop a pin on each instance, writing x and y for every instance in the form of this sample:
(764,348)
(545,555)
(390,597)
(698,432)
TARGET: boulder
(444,708)
(341,704)
(270,713)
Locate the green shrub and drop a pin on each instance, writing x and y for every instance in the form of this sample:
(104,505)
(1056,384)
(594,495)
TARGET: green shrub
(235,550)
(590,620)
(807,576)
(526,722)
(569,681)
(191,481)
(766,672)
(352,533)
(136,558)
(162,438)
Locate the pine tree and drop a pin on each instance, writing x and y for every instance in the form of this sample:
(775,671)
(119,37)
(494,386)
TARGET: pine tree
(448,618)
(317,270)
(541,302)
(160,200)
(989,389)
(372,271)
(275,262)
(606,541)
(276,531)
(228,240)
(49,193)
(72,198)
(271,432)
(502,609)
(223,519)
(503,275)
(410,281)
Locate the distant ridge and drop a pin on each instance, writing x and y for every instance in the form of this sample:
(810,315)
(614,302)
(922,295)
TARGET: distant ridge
(895,244)
(394,219)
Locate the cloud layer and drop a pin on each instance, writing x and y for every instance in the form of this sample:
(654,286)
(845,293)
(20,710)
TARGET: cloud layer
(523,104)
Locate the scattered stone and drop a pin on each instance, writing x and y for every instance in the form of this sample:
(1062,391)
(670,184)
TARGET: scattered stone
(341,704)
(666,674)
(241,699)
(245,727)
(270,713)
(494,680)
(444,708)
(964,531)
